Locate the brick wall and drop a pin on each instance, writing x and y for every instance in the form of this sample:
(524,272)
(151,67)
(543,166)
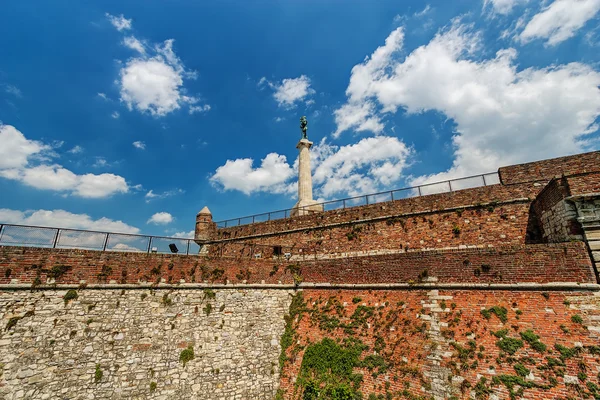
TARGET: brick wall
(567,262)
(440,344)
(25,265)
(545,170)
(541,263)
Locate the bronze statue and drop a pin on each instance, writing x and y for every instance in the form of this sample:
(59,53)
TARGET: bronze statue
(303,126)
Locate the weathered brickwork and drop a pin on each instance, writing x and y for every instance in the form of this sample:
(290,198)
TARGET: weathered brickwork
(544,263)
(51,349)
(545,170)
(27,265)
(448,344)
(541,263)
(496,224)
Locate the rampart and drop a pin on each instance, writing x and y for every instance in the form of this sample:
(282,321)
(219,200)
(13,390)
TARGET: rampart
(489,292)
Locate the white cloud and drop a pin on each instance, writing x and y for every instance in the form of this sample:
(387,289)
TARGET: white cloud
(169,193)
(241,175)
(155,84)
(17,153)
(354,169)
(134,44)
(503,7)
(184,235)
(161,218)
(290,91)
(16,149)
(560,20)
(115,114)
(139,145)
(424,11)
(359,113)
(102,96)
(119,22)
(200,109)
(63,219)
(76,150)
(503,116)
(364,167)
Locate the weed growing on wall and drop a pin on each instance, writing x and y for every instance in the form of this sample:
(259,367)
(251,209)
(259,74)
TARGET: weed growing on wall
(98,374)
(186,355)
(70,295)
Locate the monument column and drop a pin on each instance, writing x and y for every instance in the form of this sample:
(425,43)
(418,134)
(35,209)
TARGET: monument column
(304,175)
(305,204)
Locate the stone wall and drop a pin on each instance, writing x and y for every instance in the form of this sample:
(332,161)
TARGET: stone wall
(556,216)
(50,348)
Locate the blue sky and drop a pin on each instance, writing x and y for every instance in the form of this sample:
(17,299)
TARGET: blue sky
(131,116)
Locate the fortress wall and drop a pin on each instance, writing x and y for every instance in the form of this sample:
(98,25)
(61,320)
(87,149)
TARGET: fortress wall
(545,170)
(26,265)
(492,224)
(439,343)
(135,338)
(543,263)
(496,194)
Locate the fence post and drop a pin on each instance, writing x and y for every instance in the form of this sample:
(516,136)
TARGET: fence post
(483,177)
(1,231)
(419,188)
(239,221)
(367,199)
(253,218)
(56,238)
(344,203)
(450,185)
(105,242)
(392,194)
(149,244)
(187,252)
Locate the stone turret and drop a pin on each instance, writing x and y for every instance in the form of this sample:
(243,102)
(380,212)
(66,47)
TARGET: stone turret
(205,227)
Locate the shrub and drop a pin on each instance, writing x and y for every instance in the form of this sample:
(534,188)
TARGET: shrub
(509,345)
(186,355)
(521,370)
(577,319)
(70,295)
(152,386)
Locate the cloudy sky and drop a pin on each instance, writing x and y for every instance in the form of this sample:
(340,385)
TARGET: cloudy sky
(132,116)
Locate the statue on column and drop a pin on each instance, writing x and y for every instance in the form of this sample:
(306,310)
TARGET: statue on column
(303,126)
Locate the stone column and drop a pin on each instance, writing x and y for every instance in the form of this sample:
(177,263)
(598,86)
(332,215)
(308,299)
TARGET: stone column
(304,175)
(305,204)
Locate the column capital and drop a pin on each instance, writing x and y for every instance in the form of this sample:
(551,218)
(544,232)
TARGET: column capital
(304,143)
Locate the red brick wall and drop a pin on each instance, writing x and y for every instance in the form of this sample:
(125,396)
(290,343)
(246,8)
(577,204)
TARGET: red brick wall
(545,170)
(568,262)
(500,224)
(584,184)
(402,322)
(541,263)
(27,263)
(423,204)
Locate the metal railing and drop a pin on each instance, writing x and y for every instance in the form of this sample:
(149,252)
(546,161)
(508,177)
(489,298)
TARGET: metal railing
(452,185)
(59,238)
